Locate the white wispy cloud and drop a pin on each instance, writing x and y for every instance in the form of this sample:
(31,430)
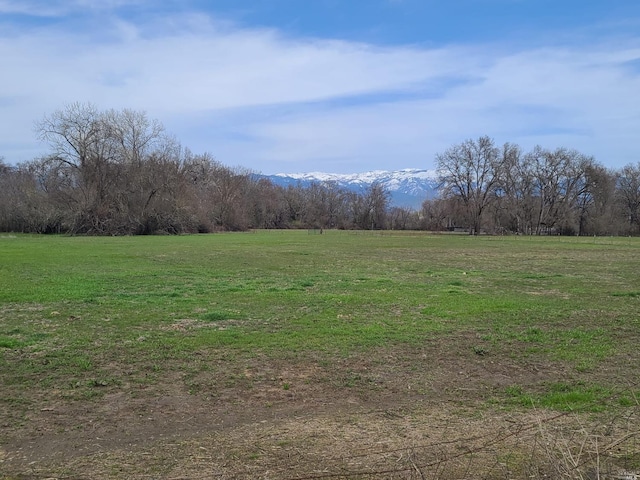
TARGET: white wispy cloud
(257,98)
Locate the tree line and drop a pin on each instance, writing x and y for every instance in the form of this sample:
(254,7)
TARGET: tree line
(561,191)
(119,173)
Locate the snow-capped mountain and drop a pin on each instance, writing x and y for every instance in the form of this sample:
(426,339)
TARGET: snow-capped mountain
(408,187)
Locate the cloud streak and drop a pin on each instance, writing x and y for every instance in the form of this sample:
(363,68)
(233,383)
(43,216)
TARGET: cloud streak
(257,98)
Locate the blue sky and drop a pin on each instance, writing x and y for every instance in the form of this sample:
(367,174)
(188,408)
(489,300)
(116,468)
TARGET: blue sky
(341,86)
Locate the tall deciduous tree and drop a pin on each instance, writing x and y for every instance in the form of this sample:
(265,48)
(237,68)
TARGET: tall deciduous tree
(557,178)
(377,199)
(111,169)
(515,203)
(595,200)
(470,171)
(629,195)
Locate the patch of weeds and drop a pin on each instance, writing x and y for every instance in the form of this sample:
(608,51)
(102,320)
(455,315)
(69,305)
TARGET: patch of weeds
(577,397)
(17,338)
(583,347)
(629,399)
(88,389)
(532,335)
(479,350)
(82,363)
(585,365)
(218,315)
(90,393)
(626,294)
(580,397)
(99,382)
(16,401)
(254,456)
(10,342)
(354,379)
(194,387)
(351,379)
(515,391)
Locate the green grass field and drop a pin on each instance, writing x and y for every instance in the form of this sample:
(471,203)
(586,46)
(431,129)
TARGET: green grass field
(548,323)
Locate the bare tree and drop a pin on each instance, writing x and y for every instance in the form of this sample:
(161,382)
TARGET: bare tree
(294,204)
(319,205)
(368,210)
(514,207)
(24,204)
(628,194)
(470,171)
(557,177)
(267,205)
(229,191)
(134,135)
(76,136)
(7,200)
(110,168)
(595,200)
(438,214)
(403,218)
(317,211)
(377,198)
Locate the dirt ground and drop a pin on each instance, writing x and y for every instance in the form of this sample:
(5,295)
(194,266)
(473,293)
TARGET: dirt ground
(417,413)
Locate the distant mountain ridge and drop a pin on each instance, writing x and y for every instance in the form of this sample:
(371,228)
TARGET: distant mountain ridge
(408,187)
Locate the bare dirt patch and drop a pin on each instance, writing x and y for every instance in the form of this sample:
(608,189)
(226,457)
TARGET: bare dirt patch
(402,413)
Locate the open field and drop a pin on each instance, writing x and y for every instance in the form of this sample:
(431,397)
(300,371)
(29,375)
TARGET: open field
(284,354)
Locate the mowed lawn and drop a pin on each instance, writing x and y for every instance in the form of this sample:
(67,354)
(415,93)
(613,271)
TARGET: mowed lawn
(554,320)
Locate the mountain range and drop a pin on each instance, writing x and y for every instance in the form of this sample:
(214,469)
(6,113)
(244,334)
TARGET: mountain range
(408,187)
